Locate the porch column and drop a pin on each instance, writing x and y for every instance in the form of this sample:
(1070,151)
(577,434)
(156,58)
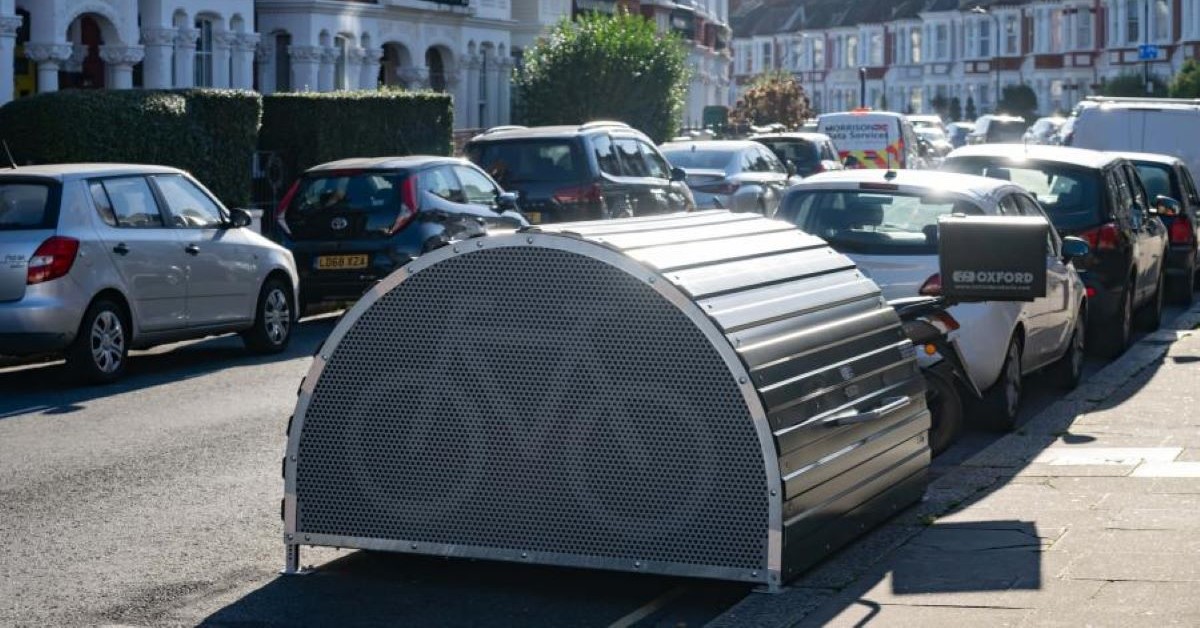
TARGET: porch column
(495,78)
(223,42)
(369,73)
(325,71)
(354,62)
(120,61)
(506,67)
(185,56)
(469,112)
(158,44)
(49,59)
(264,57)
(8,43)
(306,66)
(243,61)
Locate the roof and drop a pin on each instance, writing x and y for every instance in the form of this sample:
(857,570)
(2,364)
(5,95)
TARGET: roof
(718,145)
(75,171)
(1040,152)
(384,163)
(1154,158)
(772,17)
(979,189)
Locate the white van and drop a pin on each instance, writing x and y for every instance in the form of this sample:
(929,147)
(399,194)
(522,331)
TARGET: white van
(872,139)
(1145,125)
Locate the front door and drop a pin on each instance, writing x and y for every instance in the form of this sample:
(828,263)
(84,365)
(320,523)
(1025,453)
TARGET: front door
(147,254)
(222,270)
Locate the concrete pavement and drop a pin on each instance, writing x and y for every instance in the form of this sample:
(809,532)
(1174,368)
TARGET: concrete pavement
(1088,515)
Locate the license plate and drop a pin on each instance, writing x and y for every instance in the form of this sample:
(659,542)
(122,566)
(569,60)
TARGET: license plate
(341,262)
(533,217)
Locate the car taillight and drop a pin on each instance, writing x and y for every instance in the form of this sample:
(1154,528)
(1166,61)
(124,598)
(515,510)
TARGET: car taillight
(409,205)
(1091,292)
(578,194)
(52,259)
(943,321)
(1102,238)
(932,286)
(281,211)
(1181,231)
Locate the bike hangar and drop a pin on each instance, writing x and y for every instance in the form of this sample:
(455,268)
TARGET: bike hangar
(713,395)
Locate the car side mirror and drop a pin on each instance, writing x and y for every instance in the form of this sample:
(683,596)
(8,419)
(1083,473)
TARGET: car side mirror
(506,201)
(1166,206)
(678,174)
(239,218)
(1075,248)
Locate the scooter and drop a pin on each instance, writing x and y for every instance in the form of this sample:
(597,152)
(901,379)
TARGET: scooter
(928,325)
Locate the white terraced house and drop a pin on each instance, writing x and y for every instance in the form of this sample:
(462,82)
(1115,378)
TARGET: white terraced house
(909,52)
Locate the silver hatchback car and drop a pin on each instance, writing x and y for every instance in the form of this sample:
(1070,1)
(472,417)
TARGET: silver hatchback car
(98,259)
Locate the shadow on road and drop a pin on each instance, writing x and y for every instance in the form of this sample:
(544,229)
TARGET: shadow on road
(376,588)
(47,388)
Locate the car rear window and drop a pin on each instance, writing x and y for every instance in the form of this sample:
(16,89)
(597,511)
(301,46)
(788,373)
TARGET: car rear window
(1158,180)
(1005,131)
(1069,194)
(27,206)
(347,192)
(512,163)
(802,152)
(700,159)
(872,222)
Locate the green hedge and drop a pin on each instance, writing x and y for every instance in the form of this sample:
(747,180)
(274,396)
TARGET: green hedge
(210,133)
(307,129)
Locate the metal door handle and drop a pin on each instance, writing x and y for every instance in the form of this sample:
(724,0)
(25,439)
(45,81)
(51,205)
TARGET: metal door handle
(121,249)
(850,417)
(192,249)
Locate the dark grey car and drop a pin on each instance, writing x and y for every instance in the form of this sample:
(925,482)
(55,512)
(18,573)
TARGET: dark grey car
(738,175)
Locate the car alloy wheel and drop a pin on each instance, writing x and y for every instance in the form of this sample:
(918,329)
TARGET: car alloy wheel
(1012,379)
(277,316)
(107,338)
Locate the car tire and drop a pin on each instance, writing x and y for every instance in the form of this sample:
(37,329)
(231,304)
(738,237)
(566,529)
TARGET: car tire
(273,319)
(1068,370)
(945,409)
(1182,287)
(100,351)
(1002,402)
(1113,339)
(1149,317)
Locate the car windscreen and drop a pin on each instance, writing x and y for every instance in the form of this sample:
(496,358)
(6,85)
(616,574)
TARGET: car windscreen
(1157,179)
(872,222)
(1069,194)
(514,162)
(27,206)
(699,159)
(347,192)
(802,152)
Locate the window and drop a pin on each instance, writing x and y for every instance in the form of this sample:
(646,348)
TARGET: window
(1010,36)
(941,42)
(606,157)
(27,206)
(766,55)
(655,164)
(852,51)
(985,38)
(484,71)
(1009,206)
(133,203)
(477,188)
(632,164)
(1156,178)
(103,205)
(915,45)
(871,223)
(876,51)
(283,68)
(1133,22)
(1056,30)
(188,206)
(1162,20)
(1136,189)
(512,163)
(204,53)
(818,53)
(1069,194)
(1189,188)
(1083,29)
(442,183)
(708,159)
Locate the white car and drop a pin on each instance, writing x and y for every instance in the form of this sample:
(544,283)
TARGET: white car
(887,223)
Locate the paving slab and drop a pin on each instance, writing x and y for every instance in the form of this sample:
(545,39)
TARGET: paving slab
(868,613)
(1157,567)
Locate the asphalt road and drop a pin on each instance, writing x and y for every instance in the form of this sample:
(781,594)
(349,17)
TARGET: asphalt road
(156,501)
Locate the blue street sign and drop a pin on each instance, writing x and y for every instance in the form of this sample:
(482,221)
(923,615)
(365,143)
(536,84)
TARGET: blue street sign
(1147,52)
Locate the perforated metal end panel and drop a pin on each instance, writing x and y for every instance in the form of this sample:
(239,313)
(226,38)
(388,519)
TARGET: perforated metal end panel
(533,399)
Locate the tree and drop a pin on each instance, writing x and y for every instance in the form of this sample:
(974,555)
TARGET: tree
(1018,100)
(775,97)
(1132,84)
(971,113)
(940,105)
(1187,82)
(605,67)
(956,112)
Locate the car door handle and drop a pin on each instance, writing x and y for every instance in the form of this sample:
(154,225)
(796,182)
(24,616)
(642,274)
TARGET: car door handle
(121,249)
(851,417)
(192,249)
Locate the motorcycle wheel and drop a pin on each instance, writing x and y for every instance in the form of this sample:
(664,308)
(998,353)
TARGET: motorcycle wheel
(946,410)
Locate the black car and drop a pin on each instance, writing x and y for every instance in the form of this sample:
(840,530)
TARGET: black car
(1169,183)
(1100,198)
(350,223)
(589,172)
